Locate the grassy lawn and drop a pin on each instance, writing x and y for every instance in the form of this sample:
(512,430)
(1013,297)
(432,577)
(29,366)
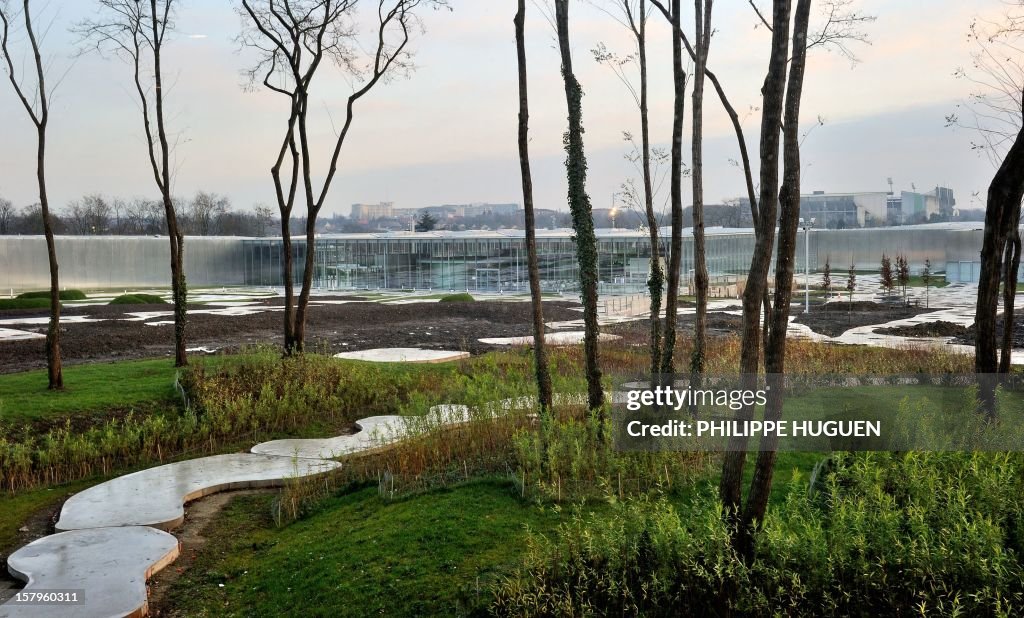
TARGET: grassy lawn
(432,554)
(89,389)
(937,281)
(17,509)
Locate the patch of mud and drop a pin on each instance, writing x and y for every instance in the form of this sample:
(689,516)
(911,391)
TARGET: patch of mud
(329,328)
(940,328)
(835,318)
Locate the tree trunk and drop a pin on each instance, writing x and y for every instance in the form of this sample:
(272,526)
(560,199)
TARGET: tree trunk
(789,220)
(676,243)
(1004,199)
(1011,268)
(539,351)
(287,273)
(773,91)
(702,18)
(579,205)
(656,280)
(179,291)
(55,373)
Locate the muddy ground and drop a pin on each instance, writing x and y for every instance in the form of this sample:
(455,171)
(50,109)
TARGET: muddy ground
(835,318)
(967,338)
(940,328)
(334,328)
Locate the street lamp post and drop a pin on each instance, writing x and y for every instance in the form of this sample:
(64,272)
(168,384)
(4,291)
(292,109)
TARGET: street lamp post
(807,225)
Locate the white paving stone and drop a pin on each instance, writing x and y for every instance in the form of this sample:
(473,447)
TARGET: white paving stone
(109,566)
(10,334)
(403,355)
(370,432)
(156,497)
(573,337)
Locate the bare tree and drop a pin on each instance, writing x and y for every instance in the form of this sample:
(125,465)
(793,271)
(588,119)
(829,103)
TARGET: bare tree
(292,39)
(7,215)
(539,351)
(995,112)
(673,14)
(264,218)
(634,15)
(203,212)
(37,105)
(580,207)
(702,20)
(135,31)
(773,93)
(789,221)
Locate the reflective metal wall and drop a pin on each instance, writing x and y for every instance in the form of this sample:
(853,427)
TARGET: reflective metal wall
(100,262)
(484,261)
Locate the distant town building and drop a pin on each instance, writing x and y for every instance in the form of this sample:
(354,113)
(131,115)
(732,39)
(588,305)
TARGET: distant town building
(845,210)
(364,213)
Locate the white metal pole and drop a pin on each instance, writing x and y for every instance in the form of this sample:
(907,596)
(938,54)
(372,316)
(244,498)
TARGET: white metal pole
(807,269)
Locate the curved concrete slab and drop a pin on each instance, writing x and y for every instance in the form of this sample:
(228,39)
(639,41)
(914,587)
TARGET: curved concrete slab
(403,355)
(156,497)
(572,337)
(370,432)
(109,566)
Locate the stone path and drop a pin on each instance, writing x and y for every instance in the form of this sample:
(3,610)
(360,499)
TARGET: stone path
(106,567)
(112,540)
(404,355)
(573,337)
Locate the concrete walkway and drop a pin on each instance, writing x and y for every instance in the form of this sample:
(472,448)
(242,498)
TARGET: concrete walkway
(113,538)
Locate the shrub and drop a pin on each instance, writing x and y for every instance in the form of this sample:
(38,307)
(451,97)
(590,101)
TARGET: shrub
(463,297)
(138,299)
(24,303)
(64,295)
(889,534)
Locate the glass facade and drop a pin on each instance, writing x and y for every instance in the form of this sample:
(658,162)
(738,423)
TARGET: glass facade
(491,261)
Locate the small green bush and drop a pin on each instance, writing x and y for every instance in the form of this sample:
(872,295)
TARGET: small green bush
(24,303)
(138,299)
(64,295)
(462,297)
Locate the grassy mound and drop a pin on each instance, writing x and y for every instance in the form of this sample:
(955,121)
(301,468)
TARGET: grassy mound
(45,294)
(138,299)
(462,297)
(24,303)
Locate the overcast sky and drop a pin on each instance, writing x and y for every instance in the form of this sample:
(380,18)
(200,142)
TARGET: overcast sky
(447,134)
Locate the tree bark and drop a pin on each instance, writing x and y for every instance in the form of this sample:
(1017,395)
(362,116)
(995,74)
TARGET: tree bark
(676,242)
(789,220)
(1011,268)
(579,205)
(772,91)
(540,357)
(1004,201)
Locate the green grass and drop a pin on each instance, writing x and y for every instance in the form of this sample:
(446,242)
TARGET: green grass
(24,303)
(17,509)
(937,281)
(432,554)
(64,295)
(137,299)
(89,389)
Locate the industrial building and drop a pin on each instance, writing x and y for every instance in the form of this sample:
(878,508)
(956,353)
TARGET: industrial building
(473,260)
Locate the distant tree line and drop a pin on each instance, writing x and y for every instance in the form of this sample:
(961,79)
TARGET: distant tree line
(204,214)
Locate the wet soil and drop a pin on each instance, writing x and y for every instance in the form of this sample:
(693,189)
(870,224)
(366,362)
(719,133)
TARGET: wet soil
(835,318)
(940,328)
(967,337)
(329,327)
